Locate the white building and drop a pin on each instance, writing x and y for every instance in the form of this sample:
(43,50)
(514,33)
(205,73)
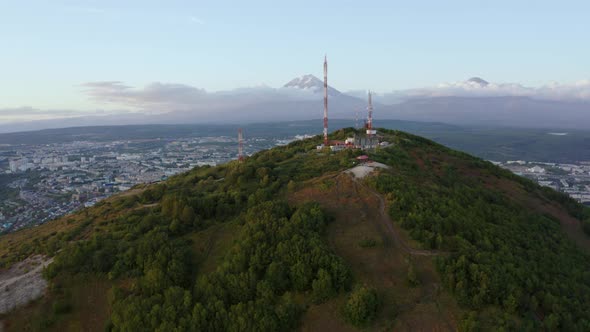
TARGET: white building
(536,169)
(519,162)
(14,165)
(19,165)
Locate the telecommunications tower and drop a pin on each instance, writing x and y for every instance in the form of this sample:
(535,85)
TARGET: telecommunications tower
(240,145)
(325,101)
(370,130)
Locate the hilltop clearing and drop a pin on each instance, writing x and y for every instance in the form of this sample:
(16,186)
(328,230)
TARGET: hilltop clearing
(365,169)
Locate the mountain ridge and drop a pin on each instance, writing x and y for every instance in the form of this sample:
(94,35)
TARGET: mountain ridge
(512,111)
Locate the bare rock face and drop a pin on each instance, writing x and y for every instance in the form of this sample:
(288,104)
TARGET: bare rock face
(22,283)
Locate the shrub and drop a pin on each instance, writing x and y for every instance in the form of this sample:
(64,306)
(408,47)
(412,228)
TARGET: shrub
(61,306)
(361,307)
(322,287)
(367,243)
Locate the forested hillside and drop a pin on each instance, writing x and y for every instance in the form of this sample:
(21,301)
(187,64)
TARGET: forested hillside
(510,262)
(248,247)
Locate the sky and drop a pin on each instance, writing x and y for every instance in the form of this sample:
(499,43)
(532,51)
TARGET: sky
(53,53)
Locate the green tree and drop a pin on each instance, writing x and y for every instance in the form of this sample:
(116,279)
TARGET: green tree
(175,226)
(301,275)
(291,186)
(322,287)
(361,307)
(551,322)
(188,215)
(469,322)
(276,274)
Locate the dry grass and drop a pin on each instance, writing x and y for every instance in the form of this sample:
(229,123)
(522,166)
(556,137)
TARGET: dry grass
(424,308)
(10,243)
(212,244)
(88,297)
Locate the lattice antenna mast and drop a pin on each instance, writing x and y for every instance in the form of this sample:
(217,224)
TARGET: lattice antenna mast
(325,100)
(240,145)
(370,119)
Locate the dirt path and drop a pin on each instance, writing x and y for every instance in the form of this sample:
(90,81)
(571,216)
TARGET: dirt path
(387,224)
(393,237)
(361,214)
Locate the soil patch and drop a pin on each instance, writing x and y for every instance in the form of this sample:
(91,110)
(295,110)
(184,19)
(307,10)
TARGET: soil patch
(22,283)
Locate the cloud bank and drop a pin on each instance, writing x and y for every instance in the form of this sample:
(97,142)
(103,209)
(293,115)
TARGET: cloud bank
(165,97)
(27,113)
(578,91)
(163,100)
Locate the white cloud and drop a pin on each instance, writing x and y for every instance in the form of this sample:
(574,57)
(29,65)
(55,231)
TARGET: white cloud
(578,91)
(165,97)
(27,113)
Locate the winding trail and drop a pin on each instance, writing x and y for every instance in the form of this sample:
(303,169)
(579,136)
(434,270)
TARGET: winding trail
(387,224)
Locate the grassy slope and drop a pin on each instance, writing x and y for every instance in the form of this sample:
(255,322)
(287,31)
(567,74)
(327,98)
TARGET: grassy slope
(88,295)
(211,245)
(384,266)
(425,307)
(88,308)
(79,225)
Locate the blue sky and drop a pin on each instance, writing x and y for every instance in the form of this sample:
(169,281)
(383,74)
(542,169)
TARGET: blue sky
(49,48)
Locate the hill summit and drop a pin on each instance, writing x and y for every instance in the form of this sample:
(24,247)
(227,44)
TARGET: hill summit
(420,237)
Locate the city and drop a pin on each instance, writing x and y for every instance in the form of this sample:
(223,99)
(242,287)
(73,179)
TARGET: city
(43,182)
(572,179)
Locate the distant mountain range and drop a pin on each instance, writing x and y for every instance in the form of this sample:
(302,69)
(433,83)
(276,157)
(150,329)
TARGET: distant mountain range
(493,111)
(301,99)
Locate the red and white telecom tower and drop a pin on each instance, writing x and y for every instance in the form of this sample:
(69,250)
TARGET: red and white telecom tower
(370,130)
(240,145)
(325,100)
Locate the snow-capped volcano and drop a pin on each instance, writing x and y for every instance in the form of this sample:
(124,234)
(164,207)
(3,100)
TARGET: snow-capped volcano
(310,83)
(478,81)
